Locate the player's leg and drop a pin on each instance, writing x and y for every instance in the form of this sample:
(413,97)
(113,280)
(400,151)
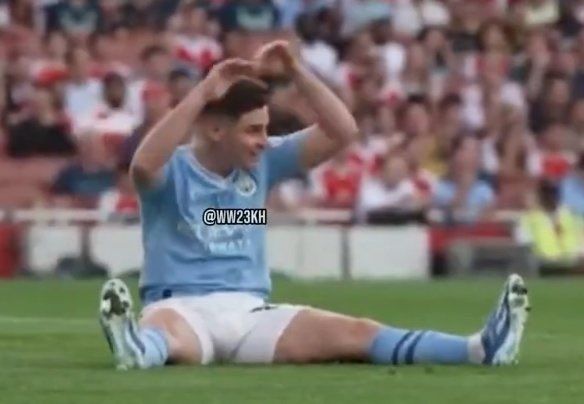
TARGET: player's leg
(183,343)
(162,336)
(317,336)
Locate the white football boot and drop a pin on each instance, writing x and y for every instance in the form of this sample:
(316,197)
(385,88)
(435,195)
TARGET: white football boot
(503,332)
(119,325)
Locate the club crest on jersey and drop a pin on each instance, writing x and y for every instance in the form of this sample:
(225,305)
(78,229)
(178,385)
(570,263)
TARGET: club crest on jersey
(245,184)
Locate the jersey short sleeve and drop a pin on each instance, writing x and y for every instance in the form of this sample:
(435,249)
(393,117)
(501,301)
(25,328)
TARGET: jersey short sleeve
(283,157)
(155,190)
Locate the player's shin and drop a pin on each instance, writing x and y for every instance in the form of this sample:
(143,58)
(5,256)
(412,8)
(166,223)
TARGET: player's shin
(154,344)
(399,346)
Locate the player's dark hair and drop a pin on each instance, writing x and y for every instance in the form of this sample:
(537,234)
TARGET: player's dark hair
(242,97)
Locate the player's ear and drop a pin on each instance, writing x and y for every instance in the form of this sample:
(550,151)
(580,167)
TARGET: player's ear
(220,127)
(216,131)
(212,126)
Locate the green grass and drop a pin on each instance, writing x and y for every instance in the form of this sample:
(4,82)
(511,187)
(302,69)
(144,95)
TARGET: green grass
(52,351)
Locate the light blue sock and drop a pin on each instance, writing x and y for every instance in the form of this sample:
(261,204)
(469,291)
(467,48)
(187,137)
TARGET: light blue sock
(397,346)
(155,346)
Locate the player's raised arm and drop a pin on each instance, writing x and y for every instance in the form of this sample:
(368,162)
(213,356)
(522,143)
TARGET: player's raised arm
(161,141)
(336,127)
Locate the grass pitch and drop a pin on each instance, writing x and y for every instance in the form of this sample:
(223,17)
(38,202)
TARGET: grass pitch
(52,350)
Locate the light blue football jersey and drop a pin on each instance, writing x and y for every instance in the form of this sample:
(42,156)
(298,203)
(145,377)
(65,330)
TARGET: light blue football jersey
(183,256)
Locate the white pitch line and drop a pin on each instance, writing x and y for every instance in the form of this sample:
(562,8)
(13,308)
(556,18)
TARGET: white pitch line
(50,320)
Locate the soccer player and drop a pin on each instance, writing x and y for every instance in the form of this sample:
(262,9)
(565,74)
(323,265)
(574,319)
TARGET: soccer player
(205,289)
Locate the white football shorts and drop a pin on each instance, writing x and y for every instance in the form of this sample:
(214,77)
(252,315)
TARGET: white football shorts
(232,327)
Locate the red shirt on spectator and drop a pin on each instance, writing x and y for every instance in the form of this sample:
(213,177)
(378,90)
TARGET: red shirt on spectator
(336,184)
(555,166)
(200,51)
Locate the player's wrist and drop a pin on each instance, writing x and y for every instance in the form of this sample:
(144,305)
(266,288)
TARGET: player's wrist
(205,90)
(296,69)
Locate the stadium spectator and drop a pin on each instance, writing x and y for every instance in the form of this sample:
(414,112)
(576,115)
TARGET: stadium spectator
(510,160)
(19,86)
(390,192)
(431,151)
(51,67)
(359,60)
(119,202)
(572,188)
(180,81)
(555,158)
(577,125)
(43,130)
(290,10)
(423,179)
(391,51)
(82,91)
(109,55)
(84,180)
(539,13)
(553,103)
(461,195)
(492,90)
(79,18)
(111,121)
(315,51)
(555,234)
(156,104)
(336,183)
(156,67)
(194,44)
(448,119)
(249,15)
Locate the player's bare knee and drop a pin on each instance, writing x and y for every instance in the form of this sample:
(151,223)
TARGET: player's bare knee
(183,343)
(321,337)
(358,334)
(362,329)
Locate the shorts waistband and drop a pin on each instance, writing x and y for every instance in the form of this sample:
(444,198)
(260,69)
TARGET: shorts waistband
(151,294)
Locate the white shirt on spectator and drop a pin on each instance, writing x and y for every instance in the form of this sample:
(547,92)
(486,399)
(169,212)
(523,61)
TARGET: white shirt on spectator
(546,13)
(434,13)
(82,98)
(473,112)
(104,120)
(292,193)
(135,98)
(375,194)
(407,19)
(321,57)
(491,160)
(393,55)
(200,51)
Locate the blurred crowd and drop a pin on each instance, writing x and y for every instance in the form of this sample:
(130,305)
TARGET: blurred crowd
(467,107)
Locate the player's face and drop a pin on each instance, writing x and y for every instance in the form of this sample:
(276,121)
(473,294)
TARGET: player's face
(249,138)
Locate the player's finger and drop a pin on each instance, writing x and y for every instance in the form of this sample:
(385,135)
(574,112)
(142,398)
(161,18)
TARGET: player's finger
(270,48)
(253,79)
(241,66)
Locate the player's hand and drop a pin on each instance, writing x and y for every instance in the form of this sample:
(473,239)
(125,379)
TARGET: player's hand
(276,58)
(223,75)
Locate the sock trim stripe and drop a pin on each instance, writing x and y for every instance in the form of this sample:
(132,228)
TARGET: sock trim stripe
(412,348)
(135,338)
(394,356)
